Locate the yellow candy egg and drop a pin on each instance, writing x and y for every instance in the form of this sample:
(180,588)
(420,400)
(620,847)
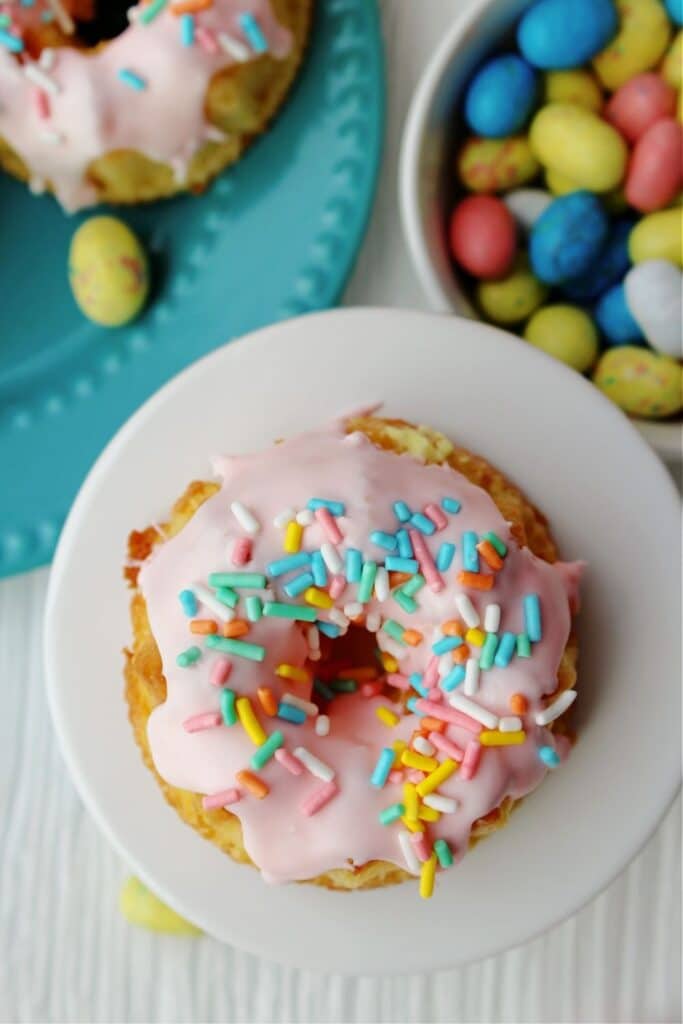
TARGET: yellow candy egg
(108,271)
(513,298)
(671,68)
(659,236)
(565,332)
(577,144)
(140,906)
(577,86)
(560,184)
(643,36)
(494,165)
(640,382)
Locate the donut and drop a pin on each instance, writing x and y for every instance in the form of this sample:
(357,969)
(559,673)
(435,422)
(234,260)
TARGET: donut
(108,102)
(353,656)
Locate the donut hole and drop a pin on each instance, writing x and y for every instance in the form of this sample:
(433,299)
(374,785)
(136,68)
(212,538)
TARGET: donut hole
(342,657)
(99,20)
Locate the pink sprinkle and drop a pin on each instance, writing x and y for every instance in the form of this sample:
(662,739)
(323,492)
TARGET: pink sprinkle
(220,671)
(399,681)
(446,746)
(318,798)
(468,768)
(434,578)
(337,583)
(396,776)
(42,103)
(329,525)
(221,799)
(438,517)
(241,551)
(448,714)
(371,689)
(435,694)
(415,776)
(431,673)
(206,40)
(289,761)
(207,720)
(421,846)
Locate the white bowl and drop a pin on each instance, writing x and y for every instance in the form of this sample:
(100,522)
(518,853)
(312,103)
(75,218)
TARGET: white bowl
(426,180)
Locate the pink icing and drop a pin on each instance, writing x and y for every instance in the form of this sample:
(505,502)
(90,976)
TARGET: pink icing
(285,843)
(95,112)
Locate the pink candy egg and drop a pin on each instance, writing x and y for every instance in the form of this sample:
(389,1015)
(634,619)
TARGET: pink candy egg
(655,171)
(638,103)
(483,237)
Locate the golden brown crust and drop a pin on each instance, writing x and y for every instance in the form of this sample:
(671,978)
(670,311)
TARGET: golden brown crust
(146,686)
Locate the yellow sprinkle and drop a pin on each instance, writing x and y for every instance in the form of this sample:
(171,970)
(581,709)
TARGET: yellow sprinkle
(318,598)
(293,535)
(299,675)
(427,873)
(443,772)
(412,826)
(250,722)
(411,759)
(428,814)
(398,746)
(476,637)
(410,801)
(387,716)
(389,663)
(493,738)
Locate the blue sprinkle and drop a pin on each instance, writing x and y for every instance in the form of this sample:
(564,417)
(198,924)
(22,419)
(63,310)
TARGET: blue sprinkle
(337,508)
(506,648)
(385,763)
(328,629)
(532,617)
(446,643)
(383,540)
(396,564)
(10,42)
(401,511)
(300,583)
(354,565)
(129,78)
(470,555)
(187,29)
(454,678)
(291,714)
(549,756)
(319,569)
(257,40)
(405,545)
(451,505)
(415,681)
(411,704)
(423,524)
(188,603)
(46,17)
(282,565)
(444,556)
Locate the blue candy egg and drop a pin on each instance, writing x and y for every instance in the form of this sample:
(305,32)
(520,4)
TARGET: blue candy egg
(555,34)
(674,9)
(567,237)
(609,266)
(614,318)
(500,97)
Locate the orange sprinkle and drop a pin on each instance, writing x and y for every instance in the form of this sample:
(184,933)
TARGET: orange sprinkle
(518,703)
(203,626)
(461,654)
(238,627)
(428,724)
(396,579)
(489,554)
(267,700)
(413,637)
(190,6)
(475,580)
(362,675)
(257,787)
(454,627)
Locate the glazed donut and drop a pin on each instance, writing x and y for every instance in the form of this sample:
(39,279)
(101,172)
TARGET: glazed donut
(162,107)
(353,656)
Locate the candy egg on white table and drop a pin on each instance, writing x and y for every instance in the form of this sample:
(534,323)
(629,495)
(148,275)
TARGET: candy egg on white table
(654,290)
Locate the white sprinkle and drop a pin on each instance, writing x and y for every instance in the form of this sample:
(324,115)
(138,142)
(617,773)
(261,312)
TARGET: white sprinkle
(284,517)
(393,647)
(331,558)
(510,723)
(305,517)
(445,664)
(313,637)
(373,621)
(314,655)
(47,59)
(233,47)
(557,708)
(322,725)
(353,609)
(62,17)
(423,746)
(315,765)
(210,601)
(474,710)
(492,618)
(35,74)
(381,583)
(410,857)
(245,518)
(471,684)
(306,706)
(467,610)
(339,619)
(440,803)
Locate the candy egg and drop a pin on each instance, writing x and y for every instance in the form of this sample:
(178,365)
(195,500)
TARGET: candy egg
(674,9)
(655,171)
(640,102)
(640,382)
(483,236)
(108,271)
(513,298)
(609,266)
(560,184)
(492,165)
(565,332)
(643,37)
(577,86)
(658,237)
(567,237)
(527,204)
(653,292)
(614,318)
(565,33)
(500,97)
(672,66)
(578,144)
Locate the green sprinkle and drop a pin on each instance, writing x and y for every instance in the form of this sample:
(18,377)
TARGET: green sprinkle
(394,629)
(150,12)
(188,657)
(264,753)
(254,608)
(5,20)
(443,853)
(254,580)
(344,685)
(523,646)
(411,587)
(405,601)
(227,596)
(323,689)
(303,612)
(488,651)
(254,652)
(497,543)
(367,581)
(228,707)
(391,813)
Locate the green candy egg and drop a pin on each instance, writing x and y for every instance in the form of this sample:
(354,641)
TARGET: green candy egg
(513,298)
(640,382)
(108,271)
(565,332)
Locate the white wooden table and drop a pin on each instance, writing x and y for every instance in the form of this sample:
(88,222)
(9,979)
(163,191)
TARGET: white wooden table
(67,955)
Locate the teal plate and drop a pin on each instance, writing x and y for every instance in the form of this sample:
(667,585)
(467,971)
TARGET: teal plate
(276,236)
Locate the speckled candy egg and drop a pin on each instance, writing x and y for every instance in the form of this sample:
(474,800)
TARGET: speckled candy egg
(614,318)
(500,97)
(644,32)
(495,165)
(567,237)
(674,9)
(527,204)
(672,65)
(640,102)
(655,170)
(108,271)
(565,332)
(513,298)
(609,266)
(579,145)
(577,86)
(640,382)
(653,291)
(565,33)
(483,236)
(659,236)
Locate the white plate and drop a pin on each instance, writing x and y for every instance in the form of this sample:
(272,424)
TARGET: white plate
(609,500)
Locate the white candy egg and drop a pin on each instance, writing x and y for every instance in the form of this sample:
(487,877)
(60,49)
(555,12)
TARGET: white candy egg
(654,292)
(527,204)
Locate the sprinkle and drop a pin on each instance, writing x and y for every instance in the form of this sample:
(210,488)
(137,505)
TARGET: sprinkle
(251,580)
(282,518)
(415,681)
(423,524)
(471,684)
(395,563)
(448,714)
(329,525)
(413,826)
(241,551)
(393,629)
(385,763)
(227,596)
(338,618)
(331,557)
(344,685)
(443,852)
(557,708)
(223,798)
(47,59)
(328,629)
(256,786)
(506,649)
(207,720)
(318,598)
(181,6)
(401,682)
(470,558)
(388,662)
(453,628)
(203,626)
(387,717)
(470,762)
(391,813)
(187,30)
(401,511)
(301,612)
(549,756)
(240,648)
(214,603)
(436,515)
(404,601)
(431,673)
(427,566)
(421,846)
(412,705)
(413,637)
(460,655)
(494,738)
(317,800)
(492,618)
(236,628)
(304,517)
(228,707)
(413,586)
(518,703)
(307,706)
(384,540)
(254,608)
(293,672)
(322,725)
(249,721)
(405,547)
(313,638)
(469,707)
(446,643)
(314,765)
(132,80)
(373,621)
(337,586)
(510,723)
(188,657)
(476,637)
(353,610)
(475,580)
(233,47)
(497,543)
(11,42)
(319,569)
(371,689)
(532,617)
(523,646)
(367,580)
(40,78)
(409,855)
(188,602)
(282,565)
(411,759)
(245,517)
(267,700)
(444,556)
(451,505)
(435,778)
(206,40)
(490,555)
(428,814)
(264,753)
(293,535)
(150,11)
(446,746)
(292,764)
(337,508)
(220,671)
(454,678)
(421,744)
(381,583)
(354,562)
(488,653)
